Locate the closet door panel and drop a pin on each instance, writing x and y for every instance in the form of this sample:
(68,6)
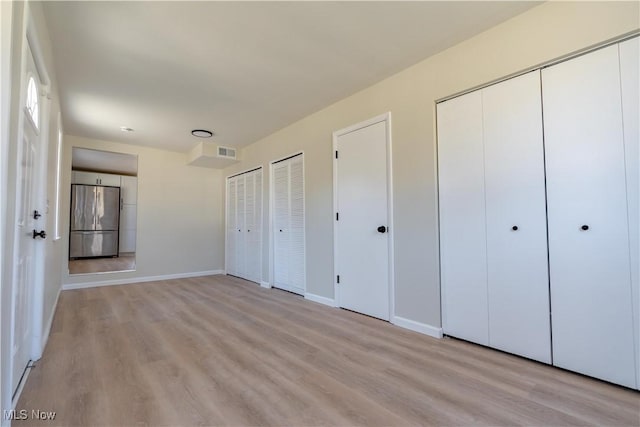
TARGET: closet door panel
(462,218)
(518,281)
(589,269)
(232,228)
(249,226)
(296,226)
(281,223)
(630,78)
(241,225)
(254,231)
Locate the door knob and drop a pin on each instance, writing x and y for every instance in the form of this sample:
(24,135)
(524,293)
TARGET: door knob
(514,228)
(41,234)
(382,229)
(584,227)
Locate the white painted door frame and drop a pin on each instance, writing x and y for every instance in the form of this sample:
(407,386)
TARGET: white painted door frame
(272,220)
(386,117)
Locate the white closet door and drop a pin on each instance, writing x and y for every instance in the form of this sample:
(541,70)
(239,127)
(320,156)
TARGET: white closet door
(296,226)
(254,227)
(281,224)
(587,211)
(249,226)
(463,254)
(241,225)
(518,281)
(232,228)
(630,77)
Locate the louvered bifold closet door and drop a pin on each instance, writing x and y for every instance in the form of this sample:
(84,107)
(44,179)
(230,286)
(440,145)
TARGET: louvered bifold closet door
(249,221)
(253,224)
(589,255)
(232,228)
(241,226)
(281,224)
(463,240)
(296,226)
(517,267)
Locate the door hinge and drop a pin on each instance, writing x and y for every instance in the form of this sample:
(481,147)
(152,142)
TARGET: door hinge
(337,216)
(336,154)
(338,278)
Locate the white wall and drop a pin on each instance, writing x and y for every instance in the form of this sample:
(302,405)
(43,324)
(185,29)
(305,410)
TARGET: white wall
(180,225)
(546,32)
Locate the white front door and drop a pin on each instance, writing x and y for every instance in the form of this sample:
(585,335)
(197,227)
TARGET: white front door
(26,223)
(362,239)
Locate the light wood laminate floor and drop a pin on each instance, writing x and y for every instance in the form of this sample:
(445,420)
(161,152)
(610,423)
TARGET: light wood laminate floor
(218,350)
(124,262)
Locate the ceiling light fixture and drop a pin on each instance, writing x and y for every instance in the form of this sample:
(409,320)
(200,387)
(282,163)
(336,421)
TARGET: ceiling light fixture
(125,129)
(202,133)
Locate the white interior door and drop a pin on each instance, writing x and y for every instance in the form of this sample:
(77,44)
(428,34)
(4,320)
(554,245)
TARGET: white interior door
(244,225)
(517,265)
(296,225)
(591,295)
(362,260)
(630,78)
(288,224)
(232,227)
(281,211)
(241,226)
(253,226)
(463,250)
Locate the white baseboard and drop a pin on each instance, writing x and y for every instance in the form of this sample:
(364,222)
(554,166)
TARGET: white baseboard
(47,329)
(319,299)
(131,280)
(412,325)
(265,285)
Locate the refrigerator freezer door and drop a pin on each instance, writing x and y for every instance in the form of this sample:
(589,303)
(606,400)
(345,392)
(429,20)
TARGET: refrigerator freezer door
(93,244)
(107,208)
(83,207)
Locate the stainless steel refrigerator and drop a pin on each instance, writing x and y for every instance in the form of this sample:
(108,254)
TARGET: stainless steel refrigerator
(95,218)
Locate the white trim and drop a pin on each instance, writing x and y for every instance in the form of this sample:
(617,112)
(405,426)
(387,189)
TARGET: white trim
(320,299)
(132,280)
(7,28)
(23,381)
(47,329)
(265,284)
(423,328)
(386,117)
(271,220)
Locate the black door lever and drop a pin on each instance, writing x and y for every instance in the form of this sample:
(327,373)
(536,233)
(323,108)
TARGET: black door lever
(39,234)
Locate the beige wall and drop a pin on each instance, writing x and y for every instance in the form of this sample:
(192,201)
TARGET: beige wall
(544,33)
(180,225)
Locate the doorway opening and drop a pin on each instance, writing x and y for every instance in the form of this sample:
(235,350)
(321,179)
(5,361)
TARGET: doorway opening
(103,217)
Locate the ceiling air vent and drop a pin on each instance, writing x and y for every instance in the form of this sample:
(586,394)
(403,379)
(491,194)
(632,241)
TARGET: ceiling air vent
(226,152)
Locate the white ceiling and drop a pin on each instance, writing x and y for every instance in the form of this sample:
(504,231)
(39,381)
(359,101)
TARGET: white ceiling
(240,69)
(104,161)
